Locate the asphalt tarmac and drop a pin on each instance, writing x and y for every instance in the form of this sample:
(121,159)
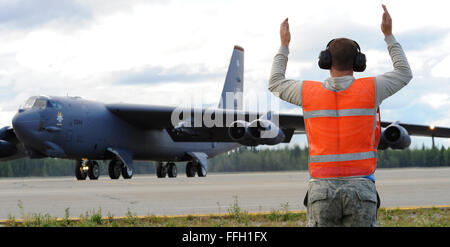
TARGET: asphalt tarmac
(146,195)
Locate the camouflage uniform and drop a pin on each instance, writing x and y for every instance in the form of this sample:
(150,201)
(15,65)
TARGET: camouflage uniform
(342,202)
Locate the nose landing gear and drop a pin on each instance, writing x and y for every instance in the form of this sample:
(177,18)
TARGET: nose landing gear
(89,168)
(85,168)
(94,170)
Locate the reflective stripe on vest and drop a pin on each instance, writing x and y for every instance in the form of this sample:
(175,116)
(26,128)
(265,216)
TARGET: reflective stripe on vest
(377,129)
(342,157)
(341,129)
(338,113)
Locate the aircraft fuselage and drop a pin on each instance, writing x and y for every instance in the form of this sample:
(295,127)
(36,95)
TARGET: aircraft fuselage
(75,128)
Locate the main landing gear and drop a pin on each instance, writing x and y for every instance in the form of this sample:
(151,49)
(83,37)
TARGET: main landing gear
(87,168)
(90,168)
(163,169)
(170,169)
(117,167)
(193,168)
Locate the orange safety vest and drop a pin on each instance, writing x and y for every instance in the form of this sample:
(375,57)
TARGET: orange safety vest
(343,129)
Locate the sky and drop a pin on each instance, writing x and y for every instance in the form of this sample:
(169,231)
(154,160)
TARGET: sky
(166,52)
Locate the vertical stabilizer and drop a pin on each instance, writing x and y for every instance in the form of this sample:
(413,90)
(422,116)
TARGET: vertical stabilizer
(234,83)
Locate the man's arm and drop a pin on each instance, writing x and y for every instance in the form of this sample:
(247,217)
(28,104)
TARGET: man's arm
(288,90)
(389,83)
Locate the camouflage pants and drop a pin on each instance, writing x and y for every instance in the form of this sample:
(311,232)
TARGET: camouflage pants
(342,202)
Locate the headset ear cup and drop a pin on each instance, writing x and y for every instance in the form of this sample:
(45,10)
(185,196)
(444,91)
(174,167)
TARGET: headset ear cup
(359,64)
(325,59)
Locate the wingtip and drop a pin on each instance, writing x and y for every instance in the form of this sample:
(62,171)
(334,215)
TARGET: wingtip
(236,47)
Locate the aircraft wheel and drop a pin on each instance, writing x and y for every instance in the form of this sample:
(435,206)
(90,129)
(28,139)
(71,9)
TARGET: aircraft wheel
(172,170)
(190,169)
(94,170)
(201,171)
(80,173)
(161,170)
(127,172)
(114,169)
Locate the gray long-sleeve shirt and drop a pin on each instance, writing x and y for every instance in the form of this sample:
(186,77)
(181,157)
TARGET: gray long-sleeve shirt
(385,85)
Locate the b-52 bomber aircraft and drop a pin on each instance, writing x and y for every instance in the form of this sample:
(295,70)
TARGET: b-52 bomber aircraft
(88,131)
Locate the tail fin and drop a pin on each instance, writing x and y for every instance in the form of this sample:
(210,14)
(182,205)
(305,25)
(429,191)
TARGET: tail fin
(234,83)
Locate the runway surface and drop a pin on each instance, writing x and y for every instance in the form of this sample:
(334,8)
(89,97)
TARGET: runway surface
(146,195)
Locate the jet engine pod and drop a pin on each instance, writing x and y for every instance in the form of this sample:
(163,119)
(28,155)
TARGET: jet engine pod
(395,137)
(238,131)
(382,145)
(265,132)
(5,133)
(7,149)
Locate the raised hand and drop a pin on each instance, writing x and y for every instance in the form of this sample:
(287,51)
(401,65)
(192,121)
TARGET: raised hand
(285,35)
(386,23)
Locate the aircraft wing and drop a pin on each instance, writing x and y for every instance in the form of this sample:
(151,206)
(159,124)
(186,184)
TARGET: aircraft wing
(143,116)
(160,117)
(422,130)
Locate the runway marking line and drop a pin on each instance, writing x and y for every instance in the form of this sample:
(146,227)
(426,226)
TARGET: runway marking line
(3,222)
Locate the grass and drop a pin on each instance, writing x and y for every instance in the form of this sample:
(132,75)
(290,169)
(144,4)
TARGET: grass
(235,217)
(423,217)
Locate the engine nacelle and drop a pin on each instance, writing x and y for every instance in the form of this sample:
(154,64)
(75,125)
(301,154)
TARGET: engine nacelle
(395,137)
(4,133)
(258,132)
(265,132)
(239,133)
(7,149)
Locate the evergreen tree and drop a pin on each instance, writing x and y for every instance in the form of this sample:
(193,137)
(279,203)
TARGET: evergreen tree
(241,159)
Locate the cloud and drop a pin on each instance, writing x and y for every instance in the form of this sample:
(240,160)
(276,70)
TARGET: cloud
(23,14)
(436,100)
(6,117)
(106,7)
(61,14)
(442,68)
(153,75)
(418,39)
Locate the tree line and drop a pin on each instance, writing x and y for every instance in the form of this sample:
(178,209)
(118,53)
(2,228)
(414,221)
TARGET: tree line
(238,160)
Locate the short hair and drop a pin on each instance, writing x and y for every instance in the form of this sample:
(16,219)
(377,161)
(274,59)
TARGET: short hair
(343,52)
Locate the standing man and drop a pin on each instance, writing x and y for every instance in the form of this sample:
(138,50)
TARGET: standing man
(342,126)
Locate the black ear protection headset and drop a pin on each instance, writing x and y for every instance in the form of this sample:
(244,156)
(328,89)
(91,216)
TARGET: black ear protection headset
(359,61)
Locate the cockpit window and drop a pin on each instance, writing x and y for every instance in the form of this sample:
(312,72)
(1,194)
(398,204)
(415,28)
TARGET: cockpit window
(29,103)
(53,104)
(40,104)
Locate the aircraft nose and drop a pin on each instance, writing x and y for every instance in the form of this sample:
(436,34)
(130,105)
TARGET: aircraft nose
(26,125)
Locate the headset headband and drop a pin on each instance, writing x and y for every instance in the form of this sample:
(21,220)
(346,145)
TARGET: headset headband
(358,49)
(359,62)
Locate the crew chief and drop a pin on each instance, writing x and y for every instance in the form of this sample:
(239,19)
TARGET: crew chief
(342,126)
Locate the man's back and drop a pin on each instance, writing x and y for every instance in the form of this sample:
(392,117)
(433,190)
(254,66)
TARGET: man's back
(341,191)
(386,84)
